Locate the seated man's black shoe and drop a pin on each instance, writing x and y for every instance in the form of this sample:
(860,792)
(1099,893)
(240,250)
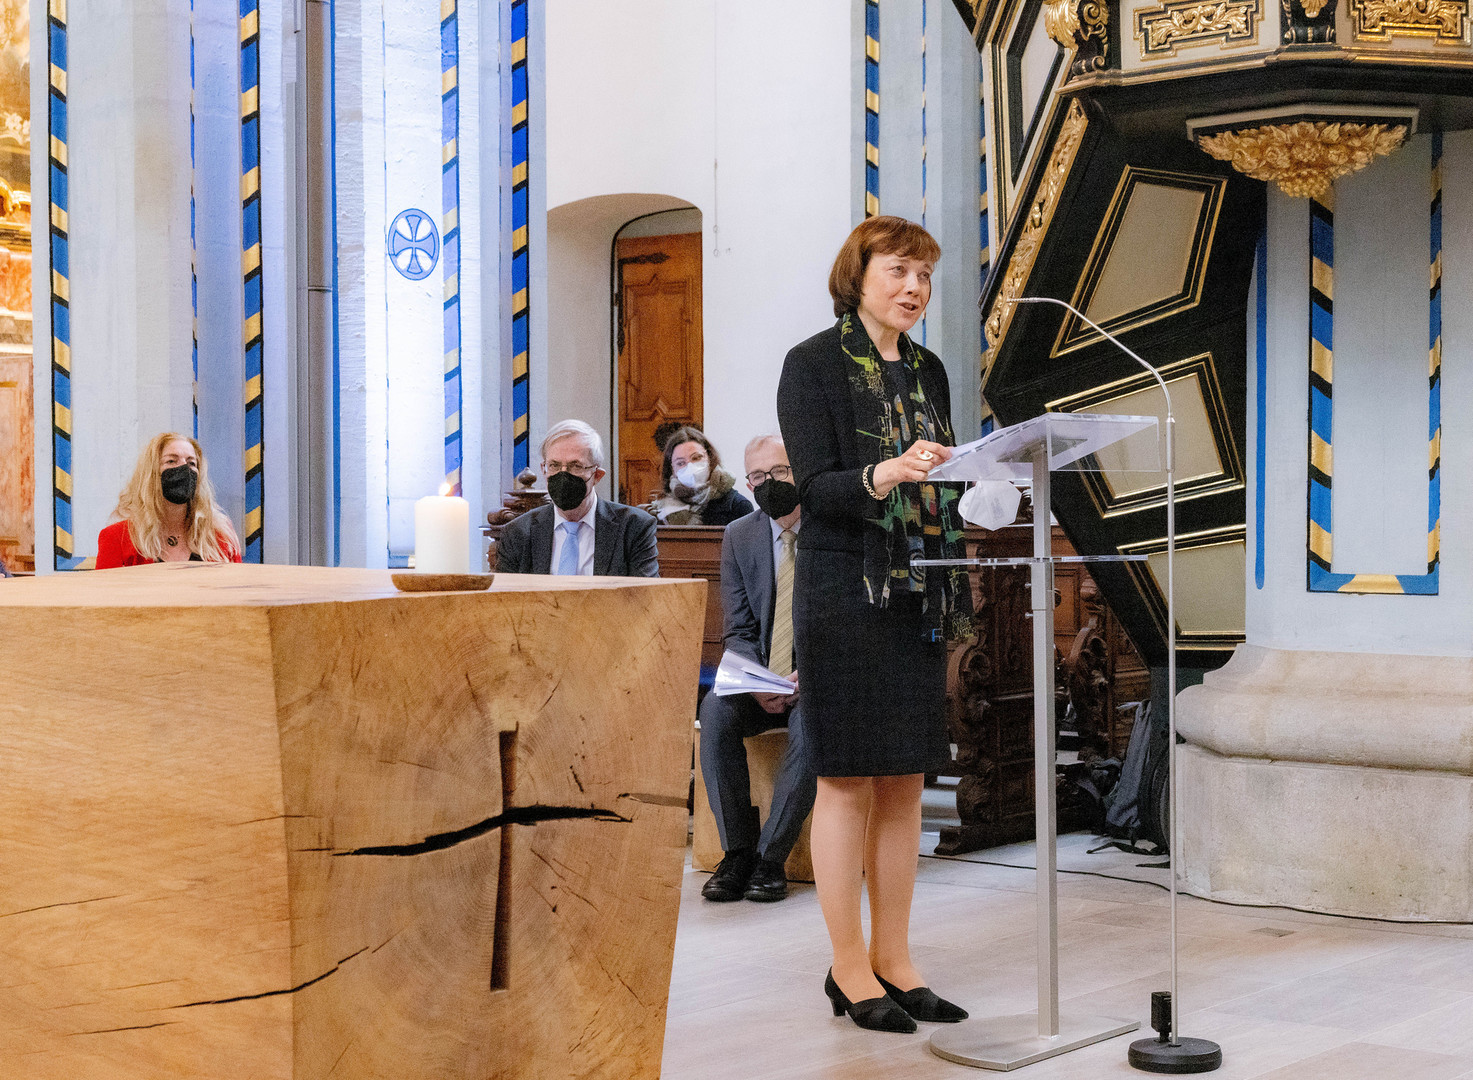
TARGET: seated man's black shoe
(768,881)
(729,881)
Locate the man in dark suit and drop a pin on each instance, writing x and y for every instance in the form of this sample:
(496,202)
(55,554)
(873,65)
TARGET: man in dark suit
(578,533)
(757,601)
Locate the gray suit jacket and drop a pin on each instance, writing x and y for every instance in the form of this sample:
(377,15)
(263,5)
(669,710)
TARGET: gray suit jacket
(748,586)
(623,542)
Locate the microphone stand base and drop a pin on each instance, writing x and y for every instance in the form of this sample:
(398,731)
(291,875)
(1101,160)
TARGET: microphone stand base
(1185,1056)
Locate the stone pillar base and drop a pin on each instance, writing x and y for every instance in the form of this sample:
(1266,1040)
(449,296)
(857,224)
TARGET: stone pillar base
(1330,781)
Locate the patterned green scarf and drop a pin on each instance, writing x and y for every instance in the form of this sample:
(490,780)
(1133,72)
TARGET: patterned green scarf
(915,521)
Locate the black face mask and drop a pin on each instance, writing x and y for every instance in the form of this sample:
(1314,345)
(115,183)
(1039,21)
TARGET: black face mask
(567,490)
(776,498)
(179,484)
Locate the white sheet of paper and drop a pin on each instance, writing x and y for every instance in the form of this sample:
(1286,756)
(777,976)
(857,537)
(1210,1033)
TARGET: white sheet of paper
(738,675)
(1068,438)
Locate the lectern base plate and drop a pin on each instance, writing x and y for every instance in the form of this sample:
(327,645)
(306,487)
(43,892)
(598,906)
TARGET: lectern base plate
(1004,1043)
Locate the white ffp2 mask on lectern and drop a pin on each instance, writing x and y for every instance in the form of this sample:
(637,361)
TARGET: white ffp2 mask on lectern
(990,504)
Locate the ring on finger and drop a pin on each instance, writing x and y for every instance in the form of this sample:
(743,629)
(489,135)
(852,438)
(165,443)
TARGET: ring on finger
(926,455)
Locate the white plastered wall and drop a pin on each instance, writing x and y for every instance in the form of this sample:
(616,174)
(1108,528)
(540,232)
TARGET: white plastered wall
(390,343)
(744,111)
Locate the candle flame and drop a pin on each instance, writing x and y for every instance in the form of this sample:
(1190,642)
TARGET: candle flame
(445,489)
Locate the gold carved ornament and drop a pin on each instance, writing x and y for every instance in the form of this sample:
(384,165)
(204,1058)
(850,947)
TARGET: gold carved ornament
(1379,20)
(1166,27)
(1312,8)
(1095,17)
(1306,157)
(1040,214)
(1074,24)
(1061,21)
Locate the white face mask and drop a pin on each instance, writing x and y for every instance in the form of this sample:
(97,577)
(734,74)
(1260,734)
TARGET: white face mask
(990,504)
(693,475)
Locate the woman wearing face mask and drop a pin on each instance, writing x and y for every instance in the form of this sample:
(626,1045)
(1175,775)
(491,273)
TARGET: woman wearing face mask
(168,511)
(698,491)
(865,413)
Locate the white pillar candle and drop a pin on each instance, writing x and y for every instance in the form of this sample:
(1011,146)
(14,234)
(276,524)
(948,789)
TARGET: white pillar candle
(442,535)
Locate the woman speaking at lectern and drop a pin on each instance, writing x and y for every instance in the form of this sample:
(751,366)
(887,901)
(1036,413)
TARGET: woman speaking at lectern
(168,511)
(866,414)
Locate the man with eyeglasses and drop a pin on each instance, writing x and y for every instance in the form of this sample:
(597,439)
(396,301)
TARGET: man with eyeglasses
(757,555)
(578,533)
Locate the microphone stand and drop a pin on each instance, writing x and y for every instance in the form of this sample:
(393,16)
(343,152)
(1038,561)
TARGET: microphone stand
(1169,1053)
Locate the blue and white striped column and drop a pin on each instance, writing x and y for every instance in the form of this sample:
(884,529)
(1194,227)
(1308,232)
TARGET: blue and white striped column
(871,108)
(63,542)
(251,331)
(450,235)
(521,264)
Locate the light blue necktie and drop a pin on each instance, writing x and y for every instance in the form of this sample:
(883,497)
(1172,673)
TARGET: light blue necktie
(568,562)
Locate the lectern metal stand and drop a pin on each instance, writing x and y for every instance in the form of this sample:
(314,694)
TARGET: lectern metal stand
(1004,1043)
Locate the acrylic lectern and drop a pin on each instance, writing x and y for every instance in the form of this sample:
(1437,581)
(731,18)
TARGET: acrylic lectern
(1031,451)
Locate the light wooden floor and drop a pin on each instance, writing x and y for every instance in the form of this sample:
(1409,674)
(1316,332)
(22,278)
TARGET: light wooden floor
(1286,994)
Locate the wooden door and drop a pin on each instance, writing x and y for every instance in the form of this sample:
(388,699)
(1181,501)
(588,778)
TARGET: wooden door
(660,373)
(17,463)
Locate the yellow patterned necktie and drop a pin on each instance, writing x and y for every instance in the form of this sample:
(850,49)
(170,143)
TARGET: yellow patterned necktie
(781,653)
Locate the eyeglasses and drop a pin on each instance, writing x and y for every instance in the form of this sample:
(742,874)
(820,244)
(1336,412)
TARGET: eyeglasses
(780,473)
(577,469)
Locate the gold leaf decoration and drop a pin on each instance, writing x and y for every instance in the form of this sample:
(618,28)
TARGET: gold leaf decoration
(1162,30)
(1312,8)
(1061,21)
(1306,157)
(1381,20)
(1040,214)
(1094,17)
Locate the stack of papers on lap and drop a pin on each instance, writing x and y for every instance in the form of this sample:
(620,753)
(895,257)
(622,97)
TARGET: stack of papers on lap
(739,675)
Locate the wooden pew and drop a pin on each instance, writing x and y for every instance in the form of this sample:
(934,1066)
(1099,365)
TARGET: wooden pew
(694,551)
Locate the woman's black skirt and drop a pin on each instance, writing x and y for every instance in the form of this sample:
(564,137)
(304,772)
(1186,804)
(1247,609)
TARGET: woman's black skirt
(872,681)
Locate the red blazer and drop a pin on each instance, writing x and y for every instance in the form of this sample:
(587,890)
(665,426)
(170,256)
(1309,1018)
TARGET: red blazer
(115,548)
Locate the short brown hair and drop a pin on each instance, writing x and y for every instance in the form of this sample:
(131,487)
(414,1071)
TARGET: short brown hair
(871,237)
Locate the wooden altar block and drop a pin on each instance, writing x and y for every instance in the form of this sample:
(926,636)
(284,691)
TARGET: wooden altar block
(286,823)
(764,754)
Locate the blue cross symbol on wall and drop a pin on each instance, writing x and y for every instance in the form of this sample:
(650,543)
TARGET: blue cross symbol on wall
(414,244)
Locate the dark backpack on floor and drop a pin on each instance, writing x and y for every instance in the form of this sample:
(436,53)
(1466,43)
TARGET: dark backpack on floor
(1136,808)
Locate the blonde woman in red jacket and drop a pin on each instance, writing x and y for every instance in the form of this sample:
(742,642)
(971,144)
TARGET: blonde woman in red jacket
(168,511)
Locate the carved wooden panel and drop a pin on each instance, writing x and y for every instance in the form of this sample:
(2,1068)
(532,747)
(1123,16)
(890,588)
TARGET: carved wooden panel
(990,690)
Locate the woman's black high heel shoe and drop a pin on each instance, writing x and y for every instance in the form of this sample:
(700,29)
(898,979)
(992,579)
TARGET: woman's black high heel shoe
(923,1004)
(875,1014)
